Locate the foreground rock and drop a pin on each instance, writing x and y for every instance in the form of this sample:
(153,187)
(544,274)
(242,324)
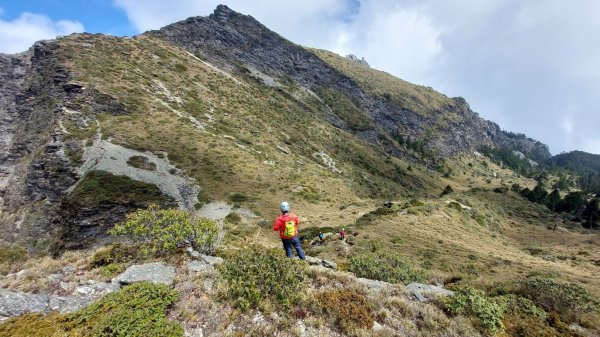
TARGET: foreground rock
(16,303)
(157,273)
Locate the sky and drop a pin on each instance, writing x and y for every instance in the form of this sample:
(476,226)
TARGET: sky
(531,66)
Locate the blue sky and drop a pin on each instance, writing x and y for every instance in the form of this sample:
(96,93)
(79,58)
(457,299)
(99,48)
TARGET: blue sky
(97,16)
(531,66)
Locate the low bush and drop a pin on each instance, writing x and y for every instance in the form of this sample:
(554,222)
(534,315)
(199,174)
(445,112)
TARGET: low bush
(447,190)
(385,266)
(11,257)
(233,218)
(259,278)
(347,309)
(238,197)
(114,254)
(474,302)
(135,311)
(167,229)
(567,299)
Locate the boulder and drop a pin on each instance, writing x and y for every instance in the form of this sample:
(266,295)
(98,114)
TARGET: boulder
(157,273)
(423,292)
(16,303)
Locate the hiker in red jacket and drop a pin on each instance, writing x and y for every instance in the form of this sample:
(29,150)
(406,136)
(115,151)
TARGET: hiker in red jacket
(287,225)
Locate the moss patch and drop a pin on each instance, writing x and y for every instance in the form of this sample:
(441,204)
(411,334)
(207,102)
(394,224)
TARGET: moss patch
(99,187)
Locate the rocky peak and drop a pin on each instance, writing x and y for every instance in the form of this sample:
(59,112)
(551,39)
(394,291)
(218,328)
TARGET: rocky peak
(355,58)
(223,14)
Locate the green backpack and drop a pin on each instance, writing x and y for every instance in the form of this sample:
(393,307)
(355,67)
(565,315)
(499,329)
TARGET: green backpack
(290,229)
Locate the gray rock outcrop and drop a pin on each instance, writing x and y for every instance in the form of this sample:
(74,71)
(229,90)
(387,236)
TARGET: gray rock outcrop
(16,303)
(157,273)
(355,58)
(423,292)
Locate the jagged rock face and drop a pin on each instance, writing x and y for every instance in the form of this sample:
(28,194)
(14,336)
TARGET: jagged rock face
(236,42)
(33,156)
(36,174)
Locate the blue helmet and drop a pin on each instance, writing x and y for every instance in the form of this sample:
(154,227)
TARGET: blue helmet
(284,206)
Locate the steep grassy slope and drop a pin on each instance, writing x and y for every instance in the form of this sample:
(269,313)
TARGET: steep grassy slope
(225,131)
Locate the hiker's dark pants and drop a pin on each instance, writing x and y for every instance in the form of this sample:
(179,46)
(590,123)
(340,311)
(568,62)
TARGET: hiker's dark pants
(287,245)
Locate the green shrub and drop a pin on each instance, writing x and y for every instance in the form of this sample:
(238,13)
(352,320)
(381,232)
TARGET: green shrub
(233,218)
(11,257)
(114,254)
(501,190)
(141,162)
(135,311)
(567,299)
(111,270)
(256,277)
(238,197)
(166,230)
(447,190)
(385,266)
(474,302)
(98,187)
(347,309)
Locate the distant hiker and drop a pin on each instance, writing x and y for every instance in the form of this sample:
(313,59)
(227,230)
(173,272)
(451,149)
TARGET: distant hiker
(321,236)
(343,234)
(287,225)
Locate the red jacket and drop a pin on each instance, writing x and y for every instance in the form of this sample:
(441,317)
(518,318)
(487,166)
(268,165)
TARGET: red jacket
(279,224)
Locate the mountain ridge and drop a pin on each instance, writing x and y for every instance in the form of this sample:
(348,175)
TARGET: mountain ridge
(232,39)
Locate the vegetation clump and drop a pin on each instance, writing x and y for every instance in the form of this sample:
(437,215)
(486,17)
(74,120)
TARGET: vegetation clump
(135,311)
(567,299)
(11,257)
(385,266)
(141,162)
(261,278)
(447,190)
(347,309)
(99,187)
(168,229)
(474,302)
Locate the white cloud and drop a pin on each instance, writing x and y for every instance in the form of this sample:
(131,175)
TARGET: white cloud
(19,34)
(400,41)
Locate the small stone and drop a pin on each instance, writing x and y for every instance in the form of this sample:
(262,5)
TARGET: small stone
(196,332)
(56,277)
(284,149)
(69,269)
(213,260)
(192,253)
(198,266)
(67,286)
